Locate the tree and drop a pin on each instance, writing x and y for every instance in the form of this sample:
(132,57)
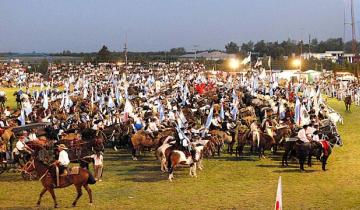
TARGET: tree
(232,48)
(246,48)
(43,67)
(178,51)
(104,55)
(87,59)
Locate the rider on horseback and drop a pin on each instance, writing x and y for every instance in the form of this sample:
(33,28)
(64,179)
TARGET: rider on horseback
(60,165)
(302,134)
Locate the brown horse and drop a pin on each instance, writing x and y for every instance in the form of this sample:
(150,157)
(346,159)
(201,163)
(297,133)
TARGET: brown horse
(224,139)
(266,143)
(8,136)
(280,137)
(142,140)
(348,102)
(82,179)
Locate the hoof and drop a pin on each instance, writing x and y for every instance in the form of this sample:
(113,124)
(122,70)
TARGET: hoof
(73,204)
(115,148)
(56,206)
(134,158)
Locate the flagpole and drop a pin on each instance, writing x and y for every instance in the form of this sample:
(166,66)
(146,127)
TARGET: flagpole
(271,77)
(278,202)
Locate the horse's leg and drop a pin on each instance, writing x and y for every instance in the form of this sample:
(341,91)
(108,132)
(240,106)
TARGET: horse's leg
(88,190)
(79,193)
(134,153)
(301,162)
(41,195)
(309,161)
(51,190)
(323,161)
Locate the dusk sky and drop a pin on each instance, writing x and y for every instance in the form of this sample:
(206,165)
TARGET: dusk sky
(152,25)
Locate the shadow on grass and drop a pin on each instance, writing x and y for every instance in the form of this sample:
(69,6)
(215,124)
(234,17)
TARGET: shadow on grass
(14,177)
(274,166)
(294,170)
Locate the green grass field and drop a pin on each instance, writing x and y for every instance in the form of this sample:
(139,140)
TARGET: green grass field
(225,183)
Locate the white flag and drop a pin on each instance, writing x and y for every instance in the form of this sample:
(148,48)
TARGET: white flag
(278,202)
(246,60)
(269,62)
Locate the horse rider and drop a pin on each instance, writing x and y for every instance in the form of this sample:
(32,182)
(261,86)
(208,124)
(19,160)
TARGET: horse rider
(268,125)
(152,127)
(21,149)
(183,140)
(302,134)
(32,135)
(61,164)
(255,132)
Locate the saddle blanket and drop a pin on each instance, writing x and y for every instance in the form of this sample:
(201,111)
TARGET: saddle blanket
(71,171)
(291,139)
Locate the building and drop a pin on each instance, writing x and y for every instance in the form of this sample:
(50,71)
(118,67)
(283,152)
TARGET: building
(209,56)
(334,56)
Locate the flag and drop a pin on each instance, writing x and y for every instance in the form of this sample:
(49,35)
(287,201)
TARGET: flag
(111,102)
(128,107)
(278,202)
(21,118)
(46,101)
(271,92)
(85,93)
(161,113)
(92,99)
(246,60)
(182,117)
(222,112)
(209,118)
(297,117)
(269,62)
(258,63)
(234,112)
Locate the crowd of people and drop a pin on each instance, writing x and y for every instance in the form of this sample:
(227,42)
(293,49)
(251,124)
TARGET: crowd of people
(182,96)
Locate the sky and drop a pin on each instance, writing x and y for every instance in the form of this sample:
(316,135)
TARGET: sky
(154,25)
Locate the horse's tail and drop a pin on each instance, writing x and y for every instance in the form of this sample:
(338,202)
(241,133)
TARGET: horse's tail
(91,179)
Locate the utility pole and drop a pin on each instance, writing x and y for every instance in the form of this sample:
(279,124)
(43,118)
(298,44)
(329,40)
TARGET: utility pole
(354,42)
(195,49)
(126,51)
(353,27)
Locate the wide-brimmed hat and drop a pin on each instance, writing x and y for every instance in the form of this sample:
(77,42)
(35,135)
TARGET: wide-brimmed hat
(62,146)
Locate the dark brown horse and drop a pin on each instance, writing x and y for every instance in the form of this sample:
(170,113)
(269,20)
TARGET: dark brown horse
(81,179)
(266,143)
(348,102)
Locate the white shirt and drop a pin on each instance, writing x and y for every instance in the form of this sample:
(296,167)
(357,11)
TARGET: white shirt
(153,127)
(302,136)
(64,158)
(98,160)
(316,138)
(32,137)
(19,147)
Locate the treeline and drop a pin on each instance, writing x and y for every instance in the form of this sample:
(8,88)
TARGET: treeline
(290,47)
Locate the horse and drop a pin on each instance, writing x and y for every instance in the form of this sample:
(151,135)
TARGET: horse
(347,102)
(18,98)
(3,100)
(302,151)
(282,134)
(178,157)
(8,136)
(82,179)
(142,140)
(266,142)
(224,138)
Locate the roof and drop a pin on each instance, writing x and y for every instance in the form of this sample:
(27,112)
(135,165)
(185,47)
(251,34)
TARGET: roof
(210,55)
